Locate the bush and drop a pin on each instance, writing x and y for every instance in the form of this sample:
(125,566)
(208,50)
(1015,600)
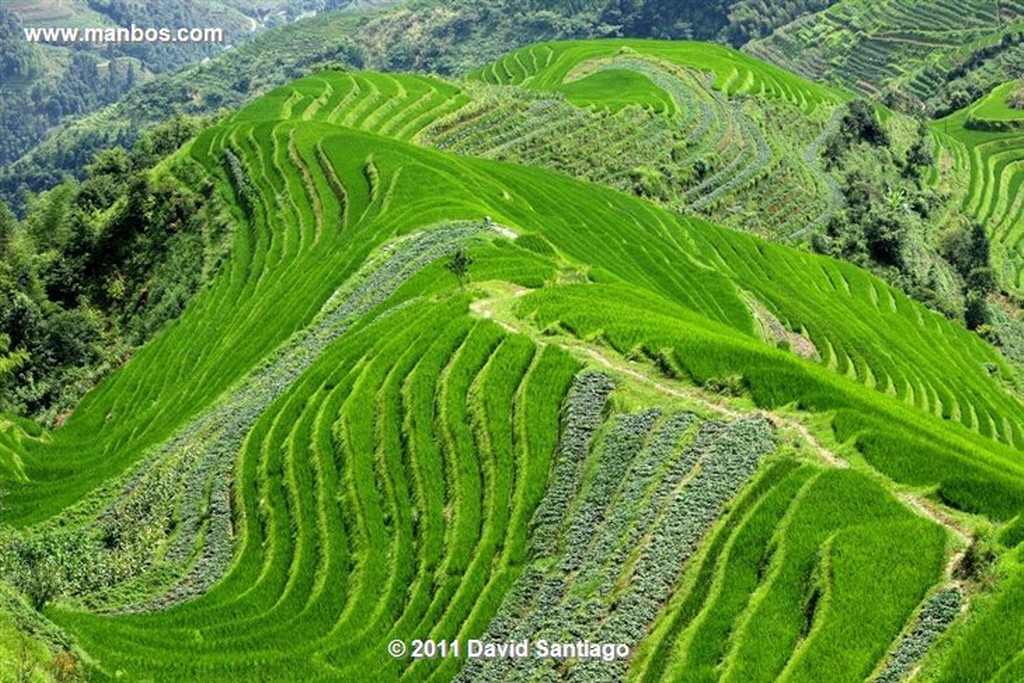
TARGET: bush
(1015,100)
(860,124)
(458,263)
(976,313)
(886,237)
(66,668)
(977,562)
(727,385)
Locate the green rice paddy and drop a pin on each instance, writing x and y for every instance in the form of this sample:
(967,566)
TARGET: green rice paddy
(340,444)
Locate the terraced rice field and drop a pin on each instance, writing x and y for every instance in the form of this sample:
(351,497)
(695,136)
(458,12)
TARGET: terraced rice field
(641,116)
(783,548)
(908,44)
(994,113)
(985,166)
(664,113)
(549,64)
(339,444)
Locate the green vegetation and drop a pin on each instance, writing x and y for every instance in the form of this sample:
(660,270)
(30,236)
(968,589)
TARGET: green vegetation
(735,73)
(761,151)
(907,52)
(982,149)
(1015,96)
(452,37)
(690,126)
(987,651)
(38,89)
(752,19)
(45,84)
(995,113)
(53,83)
(97,267)
(890,220)
(62,138)
(786,585)
(629,516)
(934,618)
(427,394)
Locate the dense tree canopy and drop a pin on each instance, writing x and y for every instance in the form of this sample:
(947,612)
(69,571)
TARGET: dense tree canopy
(95,268)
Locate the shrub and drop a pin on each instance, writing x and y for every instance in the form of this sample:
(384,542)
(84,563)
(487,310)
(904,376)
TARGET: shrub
(66,668)
(458,263)
(860,124)
(976,312)
(1016,97)
(726,385)
(977,562)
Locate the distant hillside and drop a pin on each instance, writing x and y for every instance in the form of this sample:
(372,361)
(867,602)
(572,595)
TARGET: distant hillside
(429,36)
(986,70)
(697,128)
(882,49)
(727,137)
(903,51)
(747,145)
(984,147)
(49,83)
(46,85)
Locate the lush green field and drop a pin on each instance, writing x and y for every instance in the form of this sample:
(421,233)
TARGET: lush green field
(548,65)
(340,443)
(994,109)
(811,524)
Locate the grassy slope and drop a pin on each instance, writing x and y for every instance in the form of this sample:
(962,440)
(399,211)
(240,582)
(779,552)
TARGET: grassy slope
(986,151)
(342,485)
(229,80)
(546,65)
(53,59)
(994,107)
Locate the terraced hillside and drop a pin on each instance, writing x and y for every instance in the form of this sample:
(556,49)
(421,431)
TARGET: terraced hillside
(706,141)
(621,424)
(911,46)
(984,165)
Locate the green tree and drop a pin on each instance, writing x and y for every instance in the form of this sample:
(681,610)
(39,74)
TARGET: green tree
(886,235)
(860,124)
(919,156)
(47,222)
(458,263)
(10,361)
(967,248)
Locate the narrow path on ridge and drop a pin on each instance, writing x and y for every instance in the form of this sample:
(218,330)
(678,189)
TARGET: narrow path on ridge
(921,505)
(486,308)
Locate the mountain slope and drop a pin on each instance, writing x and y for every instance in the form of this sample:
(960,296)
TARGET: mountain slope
(726,137)
(340,443)
(435,37)
(908,48)
(985,143)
